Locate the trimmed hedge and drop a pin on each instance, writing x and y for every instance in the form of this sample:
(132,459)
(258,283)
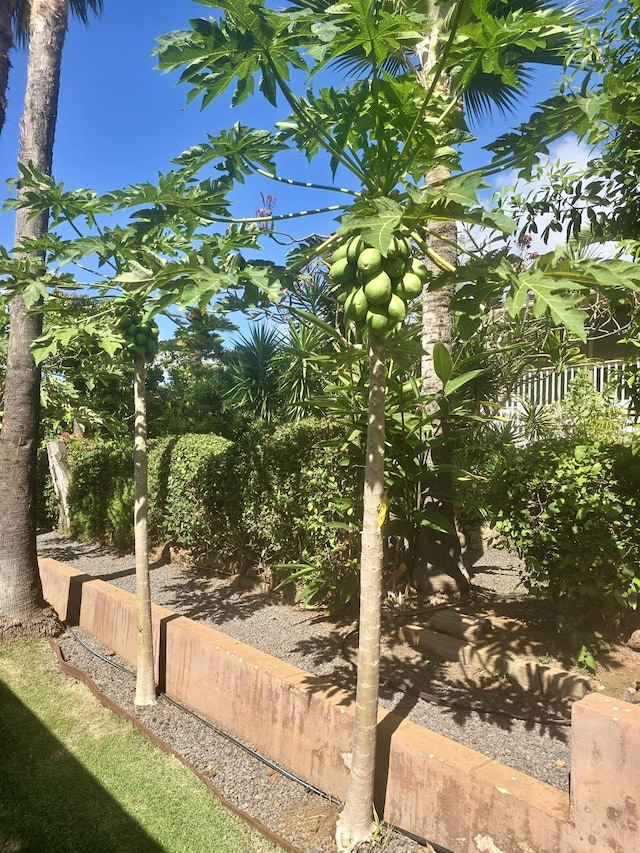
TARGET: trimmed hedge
(266,499)
(191,499)
(101,491)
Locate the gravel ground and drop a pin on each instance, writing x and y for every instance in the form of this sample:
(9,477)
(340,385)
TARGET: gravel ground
(315,644)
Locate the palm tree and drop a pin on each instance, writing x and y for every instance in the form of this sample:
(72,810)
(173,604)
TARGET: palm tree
(254,370)
(7,11)
(438,566)
(22,609)
(14,21)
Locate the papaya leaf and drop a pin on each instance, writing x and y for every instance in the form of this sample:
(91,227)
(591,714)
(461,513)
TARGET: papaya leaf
(43,347)
(376,219)
(33,292)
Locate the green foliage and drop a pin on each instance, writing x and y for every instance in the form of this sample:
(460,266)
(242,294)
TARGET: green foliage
(47,504)
(572,512)
(101,491)
(192,501)
(270,500)
(585,415)
(191,398)
(299,509)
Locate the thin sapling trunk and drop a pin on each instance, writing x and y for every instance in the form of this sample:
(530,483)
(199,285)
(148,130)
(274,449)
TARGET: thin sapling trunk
(356,823)
(145,682)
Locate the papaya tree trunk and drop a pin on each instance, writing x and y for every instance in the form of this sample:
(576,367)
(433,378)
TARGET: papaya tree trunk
(145,681)
(22,610)
(356,822)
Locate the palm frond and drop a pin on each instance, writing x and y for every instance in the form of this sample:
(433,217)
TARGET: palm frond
(489,92)
(80,9)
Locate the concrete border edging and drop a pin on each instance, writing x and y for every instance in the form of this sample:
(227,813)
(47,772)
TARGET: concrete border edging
(427,784)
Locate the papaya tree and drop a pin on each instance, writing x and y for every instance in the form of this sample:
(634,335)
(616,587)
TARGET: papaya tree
(385,132)
(163,256)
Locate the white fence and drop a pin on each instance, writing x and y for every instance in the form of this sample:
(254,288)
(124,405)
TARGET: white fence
(550,386)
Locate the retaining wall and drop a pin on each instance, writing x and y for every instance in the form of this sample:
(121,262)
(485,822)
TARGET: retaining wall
(426,784)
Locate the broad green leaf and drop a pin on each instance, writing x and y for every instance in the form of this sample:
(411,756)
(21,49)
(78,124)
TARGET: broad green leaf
(458,381)
(43,347)
(379,220)
(135,274)
(442,362)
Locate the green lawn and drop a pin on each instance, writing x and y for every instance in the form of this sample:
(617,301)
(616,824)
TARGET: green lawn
(75,777)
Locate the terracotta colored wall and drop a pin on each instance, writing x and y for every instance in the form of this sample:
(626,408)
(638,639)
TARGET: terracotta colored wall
(427,784)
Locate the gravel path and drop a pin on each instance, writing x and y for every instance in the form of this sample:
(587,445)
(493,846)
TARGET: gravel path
(314,644)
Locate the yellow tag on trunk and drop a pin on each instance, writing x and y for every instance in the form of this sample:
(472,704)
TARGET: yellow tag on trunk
(383,509)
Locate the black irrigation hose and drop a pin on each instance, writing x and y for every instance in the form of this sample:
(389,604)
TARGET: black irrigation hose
(418,839)
(403,687)
(254,753)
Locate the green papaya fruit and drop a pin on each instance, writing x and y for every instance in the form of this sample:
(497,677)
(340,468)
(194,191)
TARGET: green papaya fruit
(356,305)
(404,247)
(419,268)
(342,272)
(354,246)
(394,267)
(340,252)
(410,287)
(396,309)
(370,261)
(378,289)
(377,320)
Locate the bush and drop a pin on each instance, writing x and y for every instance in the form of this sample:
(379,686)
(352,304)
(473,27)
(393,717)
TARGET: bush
(572,511)
(277,500)
(193,493)
(101,491)
(46,502)
(299,511)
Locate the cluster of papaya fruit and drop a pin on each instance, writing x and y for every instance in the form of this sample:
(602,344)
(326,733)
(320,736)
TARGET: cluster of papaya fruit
(376,289)
(141,335)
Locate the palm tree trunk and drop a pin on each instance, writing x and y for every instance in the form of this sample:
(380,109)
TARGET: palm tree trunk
(356,822)
(7,9)
(438,566)
(145,682)
(21,602)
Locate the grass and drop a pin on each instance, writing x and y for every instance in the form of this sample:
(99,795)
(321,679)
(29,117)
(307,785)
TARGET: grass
(75,777)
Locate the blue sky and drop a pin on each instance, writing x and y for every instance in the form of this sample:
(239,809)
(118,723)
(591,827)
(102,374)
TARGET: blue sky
(121,121)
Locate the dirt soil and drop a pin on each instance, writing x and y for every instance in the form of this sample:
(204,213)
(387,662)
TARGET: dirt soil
(527,629)
(517,727)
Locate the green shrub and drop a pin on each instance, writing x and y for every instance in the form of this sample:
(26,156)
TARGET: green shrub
(299,511)
(46,502)
(101,491)
(572,511)
(159,465)
(585,415)
(280,501)
(194,491)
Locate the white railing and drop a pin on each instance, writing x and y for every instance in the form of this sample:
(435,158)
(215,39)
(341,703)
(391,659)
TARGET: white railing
(550,386)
